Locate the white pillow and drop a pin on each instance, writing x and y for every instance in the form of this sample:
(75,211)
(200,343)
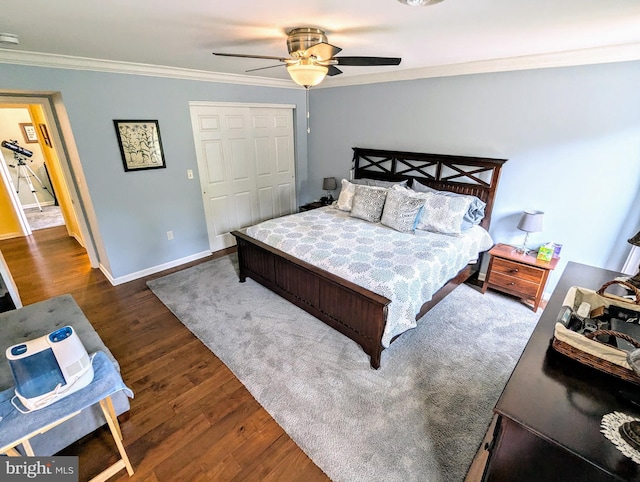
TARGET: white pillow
(442,214)
(345,200)
(475,213)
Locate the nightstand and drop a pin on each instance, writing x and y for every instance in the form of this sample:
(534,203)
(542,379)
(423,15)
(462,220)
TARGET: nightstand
(517,274)
(310,206)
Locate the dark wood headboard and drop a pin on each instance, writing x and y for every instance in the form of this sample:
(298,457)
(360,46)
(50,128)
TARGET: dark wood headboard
(476,176)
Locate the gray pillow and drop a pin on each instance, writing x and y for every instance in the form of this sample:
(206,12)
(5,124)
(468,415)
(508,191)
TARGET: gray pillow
(377,183)
(368,203)
(400,211)
(475,212)
(361,182)
(417,186)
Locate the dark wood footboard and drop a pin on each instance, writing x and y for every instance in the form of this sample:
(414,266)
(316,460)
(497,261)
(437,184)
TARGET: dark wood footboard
(354,311)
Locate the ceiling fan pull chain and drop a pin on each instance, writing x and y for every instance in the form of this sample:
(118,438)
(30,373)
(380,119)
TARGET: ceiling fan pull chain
(308,125)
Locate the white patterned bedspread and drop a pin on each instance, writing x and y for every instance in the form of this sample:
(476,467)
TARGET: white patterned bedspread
(405,268)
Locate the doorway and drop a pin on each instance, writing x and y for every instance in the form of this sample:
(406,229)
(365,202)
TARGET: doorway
(47,123)
(26,165)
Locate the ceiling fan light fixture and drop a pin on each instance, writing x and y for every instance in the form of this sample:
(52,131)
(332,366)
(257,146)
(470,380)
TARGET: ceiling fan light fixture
(419,3)
(307,74)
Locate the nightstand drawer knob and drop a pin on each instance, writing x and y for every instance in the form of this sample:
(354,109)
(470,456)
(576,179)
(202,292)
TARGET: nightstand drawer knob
(511,284)
(514,270)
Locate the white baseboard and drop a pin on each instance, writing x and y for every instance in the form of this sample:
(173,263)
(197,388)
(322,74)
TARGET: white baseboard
(152,270)
(11,235)
(42,204)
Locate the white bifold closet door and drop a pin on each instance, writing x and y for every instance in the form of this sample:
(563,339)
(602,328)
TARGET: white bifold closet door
(246,164)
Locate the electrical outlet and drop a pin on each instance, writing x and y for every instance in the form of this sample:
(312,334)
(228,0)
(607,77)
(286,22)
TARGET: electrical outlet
(169,235)
(189,174)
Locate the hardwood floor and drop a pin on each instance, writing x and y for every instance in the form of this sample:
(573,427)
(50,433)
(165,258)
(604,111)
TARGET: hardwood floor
(191,419)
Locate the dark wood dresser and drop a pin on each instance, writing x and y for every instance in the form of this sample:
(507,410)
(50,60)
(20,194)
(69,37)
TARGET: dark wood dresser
(549,414)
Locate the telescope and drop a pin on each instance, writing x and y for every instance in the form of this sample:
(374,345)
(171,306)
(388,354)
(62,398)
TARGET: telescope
(13,146)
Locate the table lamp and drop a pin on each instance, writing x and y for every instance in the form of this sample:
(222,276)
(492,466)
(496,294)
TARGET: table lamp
(635,241)
(329,184)
(530,222)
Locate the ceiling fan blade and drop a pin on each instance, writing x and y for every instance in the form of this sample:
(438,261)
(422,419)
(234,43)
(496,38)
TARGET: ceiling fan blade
(244,56)
(322,51)
(333,70)
(262,68)
(367,61)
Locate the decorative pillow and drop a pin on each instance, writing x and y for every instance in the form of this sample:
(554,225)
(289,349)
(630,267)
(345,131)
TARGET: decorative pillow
(368,203)
(361,182)
(377,183)
(443,214)
(345,200)
(401,211)
(417,186)
(473,216)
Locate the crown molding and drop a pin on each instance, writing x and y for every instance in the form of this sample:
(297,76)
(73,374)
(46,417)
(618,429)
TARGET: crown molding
(599,55)
(570,58)
(37,59)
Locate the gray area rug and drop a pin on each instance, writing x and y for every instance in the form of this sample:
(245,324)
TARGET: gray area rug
(49,217)
(422,416)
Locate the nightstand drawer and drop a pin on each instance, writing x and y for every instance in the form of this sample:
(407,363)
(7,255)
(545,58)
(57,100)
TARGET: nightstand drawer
(522,271)
(514,285)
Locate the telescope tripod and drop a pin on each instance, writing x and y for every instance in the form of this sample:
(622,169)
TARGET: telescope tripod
(26,173)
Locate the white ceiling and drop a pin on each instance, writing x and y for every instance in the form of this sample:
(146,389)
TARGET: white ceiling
(482,35)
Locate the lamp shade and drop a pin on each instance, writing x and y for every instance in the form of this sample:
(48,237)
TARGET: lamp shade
(634,240)
(306,73)
(531,221)
(419,3)
(329,184)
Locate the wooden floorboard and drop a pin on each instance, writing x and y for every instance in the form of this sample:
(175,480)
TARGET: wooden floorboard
(191,419)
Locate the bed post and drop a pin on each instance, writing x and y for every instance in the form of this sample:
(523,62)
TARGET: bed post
(242,275)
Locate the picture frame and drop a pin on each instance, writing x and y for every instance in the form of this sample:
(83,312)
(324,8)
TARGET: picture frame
(45,134)
(29,132)
(140,144)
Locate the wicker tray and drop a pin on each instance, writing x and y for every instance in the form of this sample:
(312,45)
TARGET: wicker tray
(590,359)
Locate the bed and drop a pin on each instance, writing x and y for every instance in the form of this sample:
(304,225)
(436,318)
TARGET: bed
(360,313)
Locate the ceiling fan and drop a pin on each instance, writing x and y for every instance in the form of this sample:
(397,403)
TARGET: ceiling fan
(312,58)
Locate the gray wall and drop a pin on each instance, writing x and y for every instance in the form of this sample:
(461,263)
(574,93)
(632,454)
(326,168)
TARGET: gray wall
(136,209)
(572,137)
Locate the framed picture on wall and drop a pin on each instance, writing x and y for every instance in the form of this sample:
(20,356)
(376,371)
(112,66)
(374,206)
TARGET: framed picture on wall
(45,134)
(29,132)
(140,144)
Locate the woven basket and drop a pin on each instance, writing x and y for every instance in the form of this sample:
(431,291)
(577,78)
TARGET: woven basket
(594,361)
